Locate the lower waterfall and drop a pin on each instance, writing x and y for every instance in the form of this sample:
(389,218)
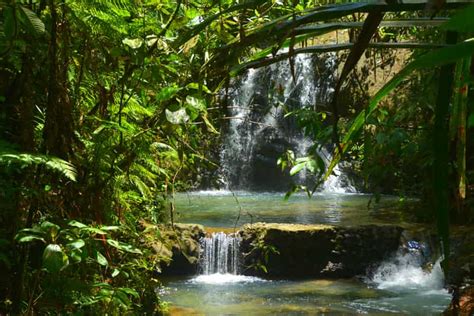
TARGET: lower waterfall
(220,254)
(220,260)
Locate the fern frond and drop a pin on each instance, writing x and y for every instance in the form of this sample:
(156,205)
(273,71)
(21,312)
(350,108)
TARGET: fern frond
(51,163)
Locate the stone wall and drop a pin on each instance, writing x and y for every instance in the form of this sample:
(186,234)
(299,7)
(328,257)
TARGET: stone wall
(291,250)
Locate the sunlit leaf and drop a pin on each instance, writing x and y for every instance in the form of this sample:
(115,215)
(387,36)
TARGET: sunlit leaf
(54,259)
(101,259)
(177,117)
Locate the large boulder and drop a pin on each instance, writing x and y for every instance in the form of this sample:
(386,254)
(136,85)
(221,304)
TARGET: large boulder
(180,243)
(293,250)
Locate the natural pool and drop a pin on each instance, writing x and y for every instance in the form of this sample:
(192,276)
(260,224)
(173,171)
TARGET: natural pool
(222,208)
(399,286)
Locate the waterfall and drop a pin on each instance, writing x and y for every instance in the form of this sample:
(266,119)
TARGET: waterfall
(220,254)
(258,132)
(410,269)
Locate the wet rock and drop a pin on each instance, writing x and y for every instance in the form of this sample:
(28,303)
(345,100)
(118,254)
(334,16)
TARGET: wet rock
(291,250)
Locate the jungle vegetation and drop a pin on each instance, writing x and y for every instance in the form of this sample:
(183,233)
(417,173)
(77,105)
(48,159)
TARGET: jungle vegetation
(109,107)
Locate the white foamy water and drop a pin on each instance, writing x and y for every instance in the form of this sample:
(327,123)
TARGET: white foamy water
(220,254)
(224,278)
(405,273)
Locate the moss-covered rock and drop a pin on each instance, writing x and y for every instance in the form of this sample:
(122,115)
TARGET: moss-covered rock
(177,247)
(293,250)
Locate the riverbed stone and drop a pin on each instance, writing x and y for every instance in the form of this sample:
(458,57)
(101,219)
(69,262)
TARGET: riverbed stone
(296,250)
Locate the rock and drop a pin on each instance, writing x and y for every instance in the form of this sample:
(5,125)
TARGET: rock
(292,250)
(461,263)
(462,303)
(182,242)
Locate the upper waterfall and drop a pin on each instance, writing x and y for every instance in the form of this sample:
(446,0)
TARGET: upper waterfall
(258,131)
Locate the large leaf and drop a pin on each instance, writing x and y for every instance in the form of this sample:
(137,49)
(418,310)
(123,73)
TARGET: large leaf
(54,259)
(463,21)
(32,21)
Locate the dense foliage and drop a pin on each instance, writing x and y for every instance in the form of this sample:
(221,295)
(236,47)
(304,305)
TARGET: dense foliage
(108,107)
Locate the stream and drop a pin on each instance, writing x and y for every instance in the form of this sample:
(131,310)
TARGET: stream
(398,286)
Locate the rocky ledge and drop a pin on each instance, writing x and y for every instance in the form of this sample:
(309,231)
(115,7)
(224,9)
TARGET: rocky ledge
(293,250)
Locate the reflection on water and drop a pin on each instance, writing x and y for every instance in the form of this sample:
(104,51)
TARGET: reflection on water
(304,297)
(222,208)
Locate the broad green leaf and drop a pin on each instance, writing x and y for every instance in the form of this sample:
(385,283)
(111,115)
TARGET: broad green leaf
(30,238)
(115,273)
(462,21)
(77,224)
(101,259)
(76,255)
(54,259)
(297,168)
(33,22)
(76,244)
(129,291)
(51,228)
(167,93)
(196,86)
(94,230)
(123,246)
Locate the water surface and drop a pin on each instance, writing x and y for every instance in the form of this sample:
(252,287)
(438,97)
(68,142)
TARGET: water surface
(242,295)
(398,286)
(227,209)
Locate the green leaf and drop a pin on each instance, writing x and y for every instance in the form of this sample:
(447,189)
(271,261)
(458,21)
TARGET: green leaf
(463,21)
(297,168)
(115,273)
(167,93)
(123,246)
(197,86)
(108,228)
(50,228)
(30,238)
(33,22)
(130,291)
(101,259)
(77,224)
(54,259)
(76,244)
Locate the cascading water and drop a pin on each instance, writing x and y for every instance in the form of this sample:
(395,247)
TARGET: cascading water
(220,259)
(408,271)
(258,131)
(220,254)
